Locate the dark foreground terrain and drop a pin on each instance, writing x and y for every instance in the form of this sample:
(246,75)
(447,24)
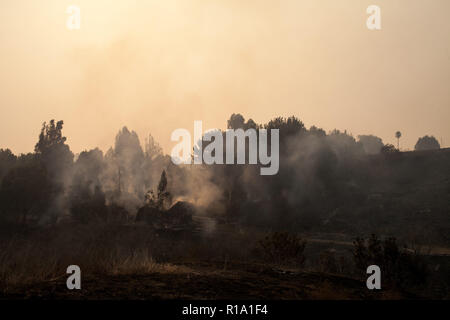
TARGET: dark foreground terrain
(208,281)
(135,262)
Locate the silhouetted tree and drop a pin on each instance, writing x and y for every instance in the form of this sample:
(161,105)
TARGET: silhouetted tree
(90,165)
(50,136)
(152,148)
(236,121)
(344,144)
(318,132)
(25,193)
(53,151)
(7,161)
(87,205)
(398,135)
(388,148)
(162,199)
(371,144)
(427,143)
(128,156)
(250,124)
(287,126)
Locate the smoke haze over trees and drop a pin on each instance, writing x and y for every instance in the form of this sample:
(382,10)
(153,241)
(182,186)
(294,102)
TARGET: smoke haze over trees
(324,181)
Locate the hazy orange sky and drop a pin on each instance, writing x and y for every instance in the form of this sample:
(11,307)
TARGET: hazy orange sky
(156,65)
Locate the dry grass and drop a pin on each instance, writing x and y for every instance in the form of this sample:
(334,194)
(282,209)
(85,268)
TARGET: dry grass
(139,262)
(45,253)
(46,256)
(31,264)
(104,252)
(26,262)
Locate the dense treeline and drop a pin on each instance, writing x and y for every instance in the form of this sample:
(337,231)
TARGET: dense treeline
(326,181)
(50,184)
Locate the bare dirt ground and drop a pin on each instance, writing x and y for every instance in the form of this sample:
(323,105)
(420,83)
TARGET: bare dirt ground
(206,281)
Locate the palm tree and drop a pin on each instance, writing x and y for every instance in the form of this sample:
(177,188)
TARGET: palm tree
(398,135)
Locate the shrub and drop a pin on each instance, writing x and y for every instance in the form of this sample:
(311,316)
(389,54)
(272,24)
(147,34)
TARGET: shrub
(400,267)
(283,248)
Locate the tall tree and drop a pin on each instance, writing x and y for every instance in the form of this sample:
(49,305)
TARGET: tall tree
(162,199)
(129,156)
(152,148)
(398,135)
(54,152)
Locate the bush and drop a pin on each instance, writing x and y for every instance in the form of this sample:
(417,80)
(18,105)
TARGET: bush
(399,267)
(427,143)
(283,248)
